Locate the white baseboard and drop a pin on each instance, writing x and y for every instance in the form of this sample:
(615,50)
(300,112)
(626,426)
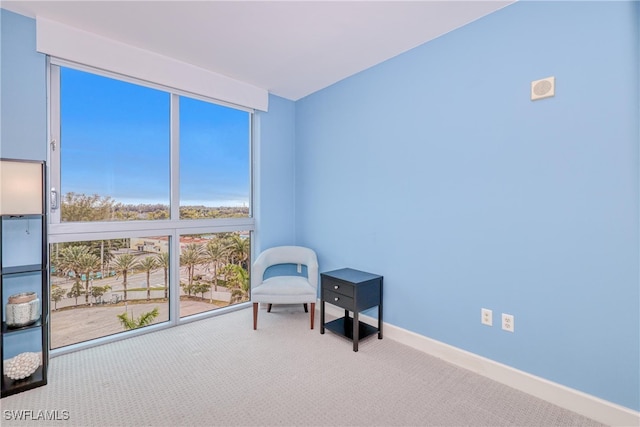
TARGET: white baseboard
(579,402)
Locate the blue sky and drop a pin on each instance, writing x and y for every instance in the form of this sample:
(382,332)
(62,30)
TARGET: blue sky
(115,141)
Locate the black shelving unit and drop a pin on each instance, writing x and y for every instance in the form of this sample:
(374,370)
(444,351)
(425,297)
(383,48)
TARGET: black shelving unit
(23,268)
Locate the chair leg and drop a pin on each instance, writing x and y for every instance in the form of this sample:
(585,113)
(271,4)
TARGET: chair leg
(305,307)
(255,315)
(269,308)
(313,312)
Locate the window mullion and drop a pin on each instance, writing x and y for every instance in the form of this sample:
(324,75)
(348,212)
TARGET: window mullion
(174,279)
(54,144)
(175,157)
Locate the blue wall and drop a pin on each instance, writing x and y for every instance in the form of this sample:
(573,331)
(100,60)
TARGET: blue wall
(274,173)
(23,111)
(436,170)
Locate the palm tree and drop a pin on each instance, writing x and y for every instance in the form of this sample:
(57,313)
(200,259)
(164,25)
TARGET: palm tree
(238,248)
(143,320)
(148,264)
(124,263)
(105,248)
(238,283)
(88,264)
(214,253)
(163,262)
(70,259)
(191,256)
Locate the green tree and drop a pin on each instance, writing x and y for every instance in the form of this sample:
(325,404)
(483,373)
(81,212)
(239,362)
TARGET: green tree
(189,213)
(101,248)
(191,256)
(57,293)
(123,264)
(81,207)
(54,259)
(214,254)
(75,291)
(87,265)
(143,320)
(200,288)
(160,214)
(148,264)
(70,262)
(105,248)
(126,215)
(238,249)
(237,283)
(163,262)
(188,288)
(98,291)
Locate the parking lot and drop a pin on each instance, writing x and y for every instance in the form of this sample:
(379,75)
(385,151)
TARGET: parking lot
(84,323)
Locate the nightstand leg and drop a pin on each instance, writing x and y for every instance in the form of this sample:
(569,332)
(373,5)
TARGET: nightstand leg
(322,316)
(356,330)
(380,321)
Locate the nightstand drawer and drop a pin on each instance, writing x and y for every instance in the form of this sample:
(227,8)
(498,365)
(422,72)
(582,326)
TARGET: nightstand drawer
(338,299)
(337,287)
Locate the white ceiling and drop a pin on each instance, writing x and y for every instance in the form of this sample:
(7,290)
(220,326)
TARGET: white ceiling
(290,48)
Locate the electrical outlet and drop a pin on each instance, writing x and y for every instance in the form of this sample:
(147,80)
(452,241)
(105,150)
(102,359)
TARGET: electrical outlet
(507,322)
(486,316)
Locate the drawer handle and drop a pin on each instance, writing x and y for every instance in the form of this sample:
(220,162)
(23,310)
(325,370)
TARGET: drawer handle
(336,287)
(336,299)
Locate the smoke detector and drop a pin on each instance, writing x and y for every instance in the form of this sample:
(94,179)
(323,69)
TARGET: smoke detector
(543,88)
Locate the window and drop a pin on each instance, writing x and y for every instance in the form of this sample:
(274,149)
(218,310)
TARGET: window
(103,287)
(115,142)
(214,139)
(214,271)
(151,205)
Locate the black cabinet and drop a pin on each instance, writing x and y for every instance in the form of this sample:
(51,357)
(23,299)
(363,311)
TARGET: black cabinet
(354,291)
(23,278)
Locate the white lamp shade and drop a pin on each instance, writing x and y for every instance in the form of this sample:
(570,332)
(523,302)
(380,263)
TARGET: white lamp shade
(20,188)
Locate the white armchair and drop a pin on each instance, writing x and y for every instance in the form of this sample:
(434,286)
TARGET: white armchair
(284,289)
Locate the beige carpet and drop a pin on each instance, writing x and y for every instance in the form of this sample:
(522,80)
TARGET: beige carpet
(219,371)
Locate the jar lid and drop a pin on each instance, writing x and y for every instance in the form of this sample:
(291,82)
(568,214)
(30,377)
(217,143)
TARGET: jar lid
(22,297)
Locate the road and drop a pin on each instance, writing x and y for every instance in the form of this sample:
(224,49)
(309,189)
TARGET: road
(136,280)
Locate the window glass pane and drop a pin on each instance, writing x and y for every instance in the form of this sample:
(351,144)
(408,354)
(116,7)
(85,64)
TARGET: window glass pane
(214,160)
(104,287)
(214,271)
(114,163)
(114,146)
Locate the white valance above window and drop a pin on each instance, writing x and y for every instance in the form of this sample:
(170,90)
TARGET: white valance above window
(64,42)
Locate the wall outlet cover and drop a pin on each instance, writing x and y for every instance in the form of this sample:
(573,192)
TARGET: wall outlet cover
(508,322)
(486,317)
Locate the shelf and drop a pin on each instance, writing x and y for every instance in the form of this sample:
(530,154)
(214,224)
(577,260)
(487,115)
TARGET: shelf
(344,326)
(10,386)
(18,269)
(25,216)
(23,266)
(8,330)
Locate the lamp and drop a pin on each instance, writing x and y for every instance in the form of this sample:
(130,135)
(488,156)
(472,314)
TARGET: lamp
(20,187)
